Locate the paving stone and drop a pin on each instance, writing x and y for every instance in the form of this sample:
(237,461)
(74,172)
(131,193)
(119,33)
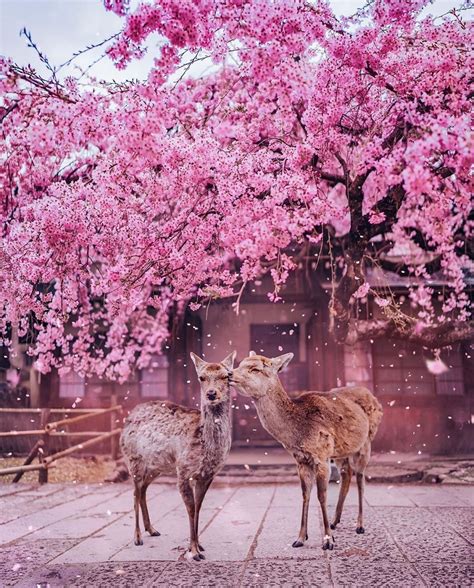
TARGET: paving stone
(11,575)
(383,495)
(30,502)
(247,532)
(119,502)
(442,575)
(27,551)
(460,519)
(42,489)
(355,572)
(230,535)
(352,498)
(288,573)
(22,502)
(43,517)
(75,527)
(374,545)
(281,528)
(20,559)
(463,493)
(10,489)
(203,573)
(173,541)
(109,541)
(103,575)
(437,495)
(422,536)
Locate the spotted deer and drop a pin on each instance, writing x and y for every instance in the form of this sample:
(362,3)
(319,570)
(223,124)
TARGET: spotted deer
(165,438)
(314,427)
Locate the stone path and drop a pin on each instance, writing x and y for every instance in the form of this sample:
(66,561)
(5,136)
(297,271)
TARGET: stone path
(67,535)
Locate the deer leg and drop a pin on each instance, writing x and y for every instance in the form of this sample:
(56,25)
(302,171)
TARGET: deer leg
(202,486)
(359,463)
(137,495)
(146,516)
(322,480)
(346,475)
(360,487)
(306,478)
(188,499)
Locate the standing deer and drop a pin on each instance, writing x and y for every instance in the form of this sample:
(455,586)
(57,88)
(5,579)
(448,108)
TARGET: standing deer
(314,427)
(165,438)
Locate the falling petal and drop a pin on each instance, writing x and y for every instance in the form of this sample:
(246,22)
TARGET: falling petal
(436,366)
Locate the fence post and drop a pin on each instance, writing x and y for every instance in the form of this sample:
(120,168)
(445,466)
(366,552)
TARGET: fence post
(33,453)
(44,450)
(113,417)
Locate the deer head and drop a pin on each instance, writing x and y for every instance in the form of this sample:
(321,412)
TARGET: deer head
(214,379)
(257,375)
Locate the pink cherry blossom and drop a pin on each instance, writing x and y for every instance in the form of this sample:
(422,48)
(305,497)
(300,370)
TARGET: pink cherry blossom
(124,203)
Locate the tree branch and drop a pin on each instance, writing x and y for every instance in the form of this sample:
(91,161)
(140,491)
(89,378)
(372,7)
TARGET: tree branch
(432,337)
(332,178)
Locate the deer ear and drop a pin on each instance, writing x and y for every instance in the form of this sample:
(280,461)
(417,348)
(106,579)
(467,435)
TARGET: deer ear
(198,362)
(280,362)
(228,362)
(252,353)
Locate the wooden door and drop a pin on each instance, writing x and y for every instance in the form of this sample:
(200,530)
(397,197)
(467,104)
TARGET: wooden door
(270,340)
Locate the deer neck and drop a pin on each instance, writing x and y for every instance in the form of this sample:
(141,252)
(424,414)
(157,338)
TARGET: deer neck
(216,423)
(274,410)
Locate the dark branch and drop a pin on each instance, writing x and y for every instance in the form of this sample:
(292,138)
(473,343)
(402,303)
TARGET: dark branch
(432,337)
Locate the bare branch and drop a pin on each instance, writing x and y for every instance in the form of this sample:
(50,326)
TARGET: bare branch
(432,337)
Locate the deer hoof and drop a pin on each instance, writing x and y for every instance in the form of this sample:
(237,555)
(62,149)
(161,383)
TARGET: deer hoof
(333,526)
(139,541)
(194,555)
(297,543)
(328,542)
(154,533)
(201,548)
(360,530)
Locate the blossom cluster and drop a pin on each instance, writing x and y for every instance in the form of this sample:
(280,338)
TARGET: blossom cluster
(122,203)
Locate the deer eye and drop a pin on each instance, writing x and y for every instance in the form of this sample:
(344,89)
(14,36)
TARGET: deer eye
(201,378)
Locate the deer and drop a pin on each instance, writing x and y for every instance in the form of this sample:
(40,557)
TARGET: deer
(314,427)
(160,437)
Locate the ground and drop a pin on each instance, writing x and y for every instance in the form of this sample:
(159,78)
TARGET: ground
(68,469)
(271,465)
(81,535)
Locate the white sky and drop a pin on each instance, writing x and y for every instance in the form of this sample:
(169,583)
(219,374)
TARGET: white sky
(61,27)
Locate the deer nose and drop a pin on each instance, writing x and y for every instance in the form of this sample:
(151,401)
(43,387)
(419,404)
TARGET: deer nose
(211,395)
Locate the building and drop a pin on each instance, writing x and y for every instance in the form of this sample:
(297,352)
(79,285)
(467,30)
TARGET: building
(422,412)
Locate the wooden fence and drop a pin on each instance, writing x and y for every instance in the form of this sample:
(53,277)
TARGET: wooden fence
(60,428)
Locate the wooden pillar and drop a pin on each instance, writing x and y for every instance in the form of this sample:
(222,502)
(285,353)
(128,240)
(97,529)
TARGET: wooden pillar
(193,340)
(49,390)
(35,380)
(186,337)
(325,356)
(315,351)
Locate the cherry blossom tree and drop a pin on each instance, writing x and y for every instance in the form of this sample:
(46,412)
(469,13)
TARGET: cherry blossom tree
(310,136)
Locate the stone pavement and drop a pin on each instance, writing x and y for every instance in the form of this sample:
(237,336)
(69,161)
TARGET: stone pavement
(81,535)
(274,465)
(277,465)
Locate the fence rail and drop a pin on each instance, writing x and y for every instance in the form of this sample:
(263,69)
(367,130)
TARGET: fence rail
(52,410)
(49,429)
